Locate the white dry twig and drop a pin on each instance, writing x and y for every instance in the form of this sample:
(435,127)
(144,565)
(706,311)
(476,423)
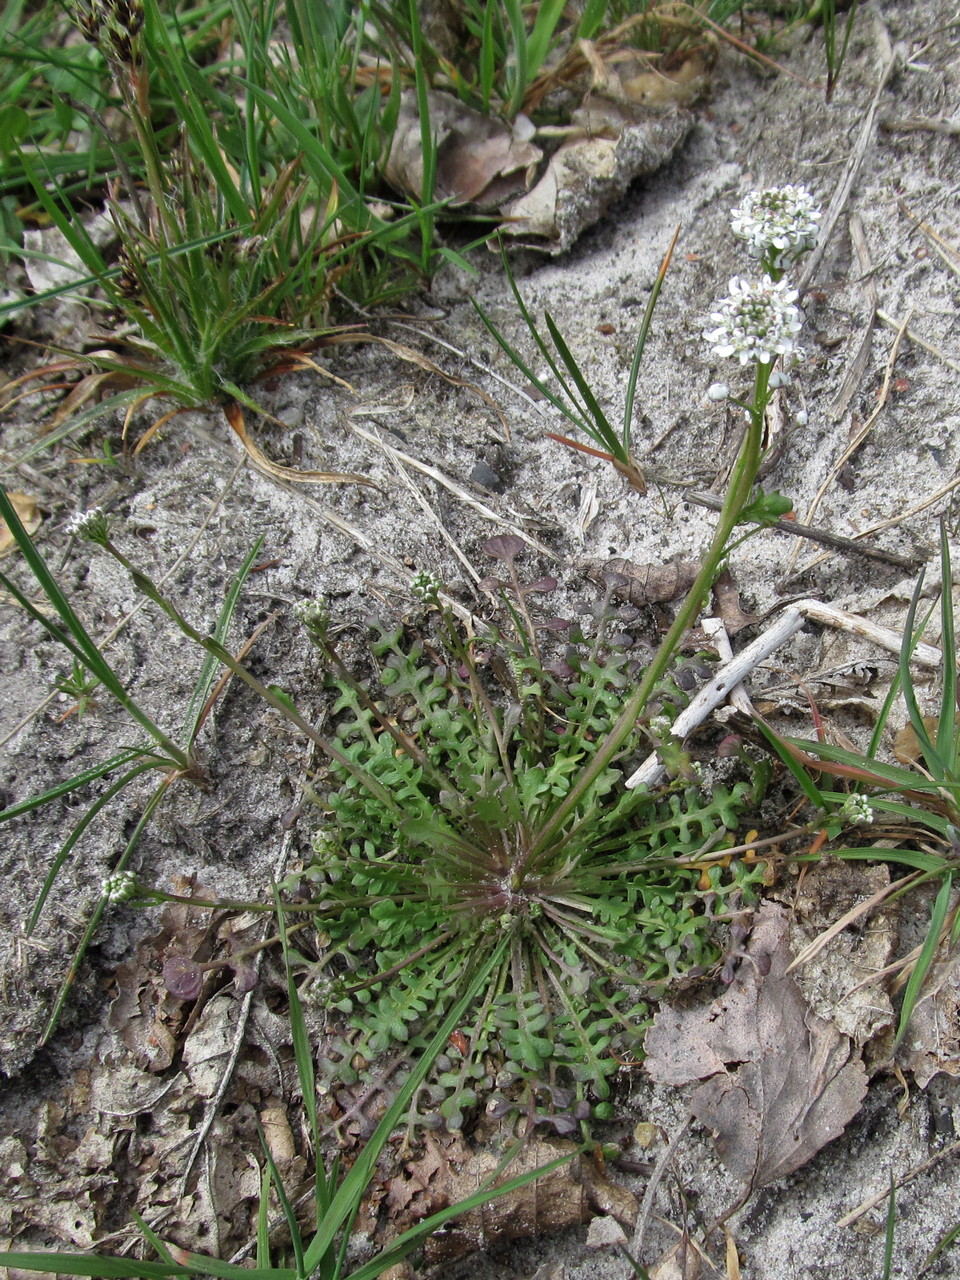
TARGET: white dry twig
(733,673)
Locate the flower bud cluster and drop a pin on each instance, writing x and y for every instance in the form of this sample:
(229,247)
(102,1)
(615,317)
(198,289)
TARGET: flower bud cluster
(857,809)
(314,614)
(426,587)
(121,886)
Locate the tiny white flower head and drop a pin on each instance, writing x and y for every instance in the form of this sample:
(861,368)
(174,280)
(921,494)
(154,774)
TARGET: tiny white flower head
(778,224)
(756,322)
(121,886)
(660,727)
(92,525)
(425,586)
(718,391)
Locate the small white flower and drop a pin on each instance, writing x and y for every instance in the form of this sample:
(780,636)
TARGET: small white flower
(778,379)
(92,525)
(660,727)
(778,224)
(718,391)
(801,417)
(121,886)
(756,322)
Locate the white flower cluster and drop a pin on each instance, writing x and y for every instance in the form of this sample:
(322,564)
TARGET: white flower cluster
(778,224)
(121,886)
(92,525)
(856,809)
(756,322)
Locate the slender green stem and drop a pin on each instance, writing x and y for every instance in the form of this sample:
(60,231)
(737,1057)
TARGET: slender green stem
(286,708)
(737,497)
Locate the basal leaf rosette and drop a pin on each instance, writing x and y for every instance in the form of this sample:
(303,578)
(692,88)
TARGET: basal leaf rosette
(592,924)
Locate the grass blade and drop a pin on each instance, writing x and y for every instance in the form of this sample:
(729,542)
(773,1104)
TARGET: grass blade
(924,960)
(911,636)
(642,342)
(350,1192)
(890,1230)
(69,844)
(947,727)
(81,949)
(208,669)
(78,780)
(296,1240)
(940,1247)
(403,1244)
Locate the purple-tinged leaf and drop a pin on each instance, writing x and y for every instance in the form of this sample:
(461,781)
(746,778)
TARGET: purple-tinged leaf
(504,546)
(182,977)
(245,977)
(542,585)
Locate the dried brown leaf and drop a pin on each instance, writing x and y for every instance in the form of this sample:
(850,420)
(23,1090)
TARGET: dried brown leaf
(647,583)
(612,145)
(151,1021)
(450,1170)
(778,1081)
(480,160)
(906,745)
(29,513)
(932,1042)
(727,600)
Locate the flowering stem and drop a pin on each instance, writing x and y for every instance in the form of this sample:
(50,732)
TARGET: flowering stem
(737,497)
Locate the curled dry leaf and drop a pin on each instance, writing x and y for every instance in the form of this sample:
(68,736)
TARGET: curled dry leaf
(778,1082)
(727,600)
(487,165)
(647,583)
(150,1019)
(610,145)
(932,1042)
(480,160)
(907,747)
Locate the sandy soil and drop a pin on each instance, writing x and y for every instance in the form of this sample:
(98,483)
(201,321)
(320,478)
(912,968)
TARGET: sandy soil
(89,1133)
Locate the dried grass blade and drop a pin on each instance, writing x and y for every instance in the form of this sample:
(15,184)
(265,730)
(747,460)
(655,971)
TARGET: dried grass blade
(234,415)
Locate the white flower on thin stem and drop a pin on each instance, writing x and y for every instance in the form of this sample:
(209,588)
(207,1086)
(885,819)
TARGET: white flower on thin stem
(91,525)
(756,322)
(778,224)
(718,391)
